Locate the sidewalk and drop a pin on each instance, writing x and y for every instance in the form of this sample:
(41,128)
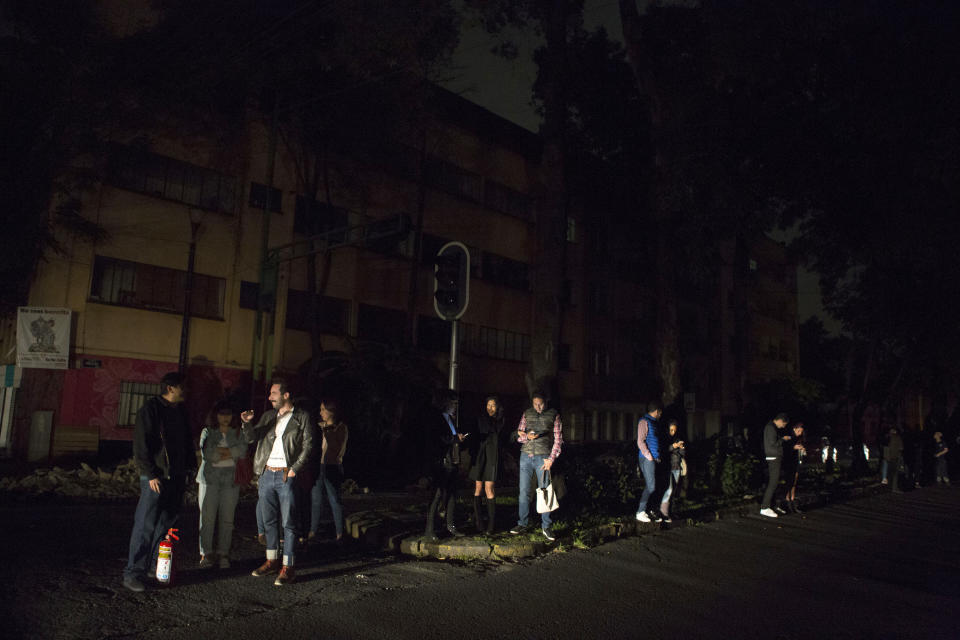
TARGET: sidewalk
(390,522)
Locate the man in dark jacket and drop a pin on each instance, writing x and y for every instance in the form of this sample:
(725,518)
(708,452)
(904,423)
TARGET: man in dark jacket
(773,451)
(163,451)
(285,447)
(444,438)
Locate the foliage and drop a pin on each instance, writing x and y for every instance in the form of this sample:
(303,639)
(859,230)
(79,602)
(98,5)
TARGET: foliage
(740,471)
(599,485)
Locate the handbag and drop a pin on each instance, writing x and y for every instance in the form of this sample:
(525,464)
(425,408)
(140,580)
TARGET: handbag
(547,497)
(243,471)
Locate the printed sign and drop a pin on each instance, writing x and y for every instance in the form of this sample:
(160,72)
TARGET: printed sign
(43,338)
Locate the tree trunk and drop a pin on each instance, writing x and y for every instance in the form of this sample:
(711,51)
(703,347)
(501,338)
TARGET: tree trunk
(551,212)
(667,343)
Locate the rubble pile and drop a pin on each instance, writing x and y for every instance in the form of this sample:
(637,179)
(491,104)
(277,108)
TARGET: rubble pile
(85,482)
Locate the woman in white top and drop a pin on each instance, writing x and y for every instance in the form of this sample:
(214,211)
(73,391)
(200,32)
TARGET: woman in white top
(220,448)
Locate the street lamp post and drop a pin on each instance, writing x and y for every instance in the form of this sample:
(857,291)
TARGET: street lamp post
(188,290)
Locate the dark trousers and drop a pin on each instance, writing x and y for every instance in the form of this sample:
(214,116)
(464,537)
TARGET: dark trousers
(773,469)
(155,514)
(446,480)
(326,490)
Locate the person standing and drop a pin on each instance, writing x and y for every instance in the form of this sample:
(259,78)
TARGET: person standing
(284,437)
(163,452)
(444,439)
(648,445)
(892,454)
(940,451)
(540,435)
(678,452)
(220,448)
(773,451)
(486,461)
(796,453)
(330,473)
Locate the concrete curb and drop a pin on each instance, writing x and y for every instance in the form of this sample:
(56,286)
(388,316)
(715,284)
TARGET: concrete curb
(403,533)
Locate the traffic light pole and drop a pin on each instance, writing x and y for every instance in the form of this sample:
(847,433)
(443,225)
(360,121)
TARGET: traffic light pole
(454,353)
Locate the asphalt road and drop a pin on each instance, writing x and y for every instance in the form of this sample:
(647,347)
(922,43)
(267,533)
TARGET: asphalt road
(879,567)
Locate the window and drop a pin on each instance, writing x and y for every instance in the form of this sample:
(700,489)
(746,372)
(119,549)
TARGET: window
(494,343)
(506,200)
(564,358)
(311,217)
(248,294)
(132,397)
(170,179)
(144,286)
(504,271)
(331,313)
(433,334)
(451,178)
(571,230)
(380,324)
(259,194)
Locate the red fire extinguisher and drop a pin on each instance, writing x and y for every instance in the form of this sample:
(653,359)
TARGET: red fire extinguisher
(165,558)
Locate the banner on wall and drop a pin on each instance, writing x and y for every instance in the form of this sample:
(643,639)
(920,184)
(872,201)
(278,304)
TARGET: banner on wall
(43,338)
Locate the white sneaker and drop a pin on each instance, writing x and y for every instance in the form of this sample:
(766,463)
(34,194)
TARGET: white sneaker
(643,517)
(769,513)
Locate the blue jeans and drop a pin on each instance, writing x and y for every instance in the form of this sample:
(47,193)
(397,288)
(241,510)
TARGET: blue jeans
(648,468)
(665,500)
(328,482)
(279,506)
(218,504)
(884,467)
(155,514)
(530,465)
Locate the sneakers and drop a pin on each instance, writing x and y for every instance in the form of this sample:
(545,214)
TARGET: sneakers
(206,562)
(642,516)
(780,510)
(287,575)
(268,567)
(133,583)
(655,516)
(548,534)
(768,513)
(884,481)
(666,517)
(224,562)
(454,532)
(518,529)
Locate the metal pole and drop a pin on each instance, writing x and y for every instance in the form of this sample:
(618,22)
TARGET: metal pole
(454,350)
(188,299)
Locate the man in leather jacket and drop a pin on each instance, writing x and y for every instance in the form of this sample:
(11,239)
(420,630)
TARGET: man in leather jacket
(285,448)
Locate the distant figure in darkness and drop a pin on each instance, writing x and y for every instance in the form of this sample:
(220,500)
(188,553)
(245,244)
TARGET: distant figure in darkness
(913,456)
(890,465)
(677,449)
(486,460)
(773,452)
(940,451)
(444,439)
(792,462)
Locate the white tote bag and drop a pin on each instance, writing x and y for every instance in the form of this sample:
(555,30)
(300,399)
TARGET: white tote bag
(547,497)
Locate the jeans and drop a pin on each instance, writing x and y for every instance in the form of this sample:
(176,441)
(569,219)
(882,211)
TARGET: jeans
(773,469)
(649,469)
(328,482)
(218,504)
(279,506)
(665,500)
(155,514)
(884,467)
(446,479)
(530,465)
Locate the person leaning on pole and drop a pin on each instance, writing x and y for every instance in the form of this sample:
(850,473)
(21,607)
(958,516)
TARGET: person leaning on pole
(285,446)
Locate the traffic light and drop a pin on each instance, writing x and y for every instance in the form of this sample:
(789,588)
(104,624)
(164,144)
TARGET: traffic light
(451,283)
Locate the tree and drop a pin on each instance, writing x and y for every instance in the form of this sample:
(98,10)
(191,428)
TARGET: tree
(51,112)
(554,21)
